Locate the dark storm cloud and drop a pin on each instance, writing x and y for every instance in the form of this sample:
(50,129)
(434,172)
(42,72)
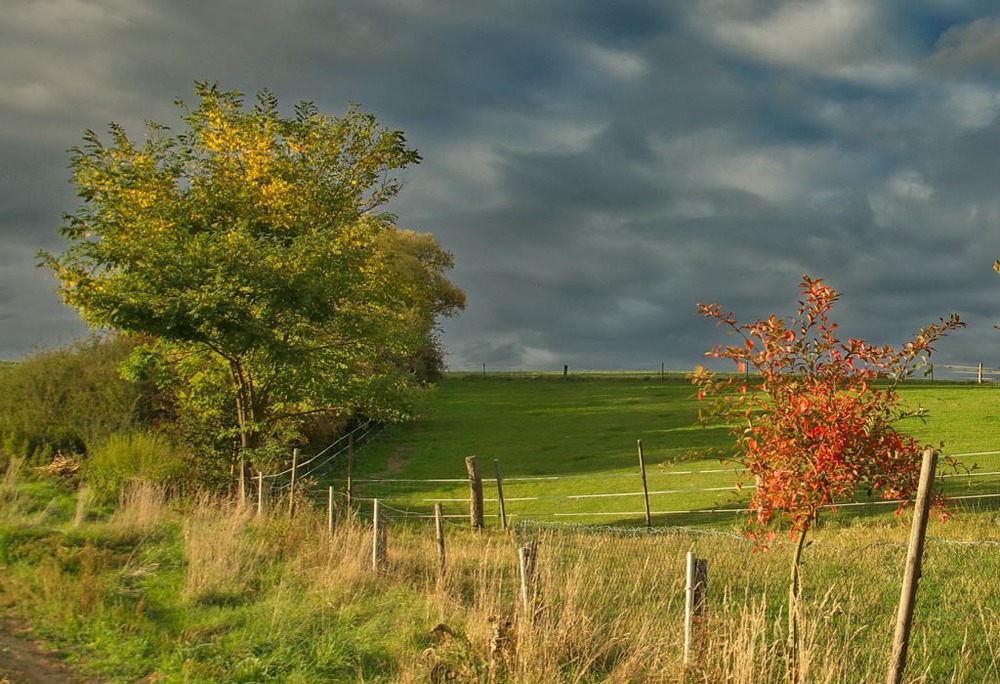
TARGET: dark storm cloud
(596,168)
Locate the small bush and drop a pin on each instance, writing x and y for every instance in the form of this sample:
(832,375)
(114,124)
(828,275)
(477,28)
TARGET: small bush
(131,456)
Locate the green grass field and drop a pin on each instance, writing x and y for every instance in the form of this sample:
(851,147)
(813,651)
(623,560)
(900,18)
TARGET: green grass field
(208,591)
(565,448)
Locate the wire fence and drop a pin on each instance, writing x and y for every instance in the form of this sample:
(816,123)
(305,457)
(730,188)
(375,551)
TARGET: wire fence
(710,497)
(671,496)
(627,584)
(615,567)
(850,586)
(315,465)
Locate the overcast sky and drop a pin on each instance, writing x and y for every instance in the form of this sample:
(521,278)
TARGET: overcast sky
(596,168)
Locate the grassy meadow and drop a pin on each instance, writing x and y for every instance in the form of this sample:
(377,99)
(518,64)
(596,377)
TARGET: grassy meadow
(208,591)
(556,438)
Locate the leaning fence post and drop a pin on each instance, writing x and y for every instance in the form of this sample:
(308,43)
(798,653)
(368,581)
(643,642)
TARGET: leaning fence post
(694,605)
(645,487)
(911,575)
(439,536)
(503,507)
(378,538)
(475,492)
(527,557)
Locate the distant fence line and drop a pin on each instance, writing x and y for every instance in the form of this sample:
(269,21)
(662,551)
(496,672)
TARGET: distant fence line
(979,372)
(487,370)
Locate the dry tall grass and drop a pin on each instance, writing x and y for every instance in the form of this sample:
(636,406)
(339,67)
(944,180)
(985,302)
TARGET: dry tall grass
(82,503)
(141,508)
(223,555)
(608,607)
(8,486)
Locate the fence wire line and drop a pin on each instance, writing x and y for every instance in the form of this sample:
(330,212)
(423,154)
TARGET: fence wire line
(364,429)
(548,478)
(662,492)
(369,431)
(573,497)
(649,473)
(707,512)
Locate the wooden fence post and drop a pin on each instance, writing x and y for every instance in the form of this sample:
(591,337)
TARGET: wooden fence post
(911,575)
(527,557)
(503,507)
(379,560)
(694,605)
(645,487)
(439,537)
(331,512)
(350,469)
(475,492)
(291,485)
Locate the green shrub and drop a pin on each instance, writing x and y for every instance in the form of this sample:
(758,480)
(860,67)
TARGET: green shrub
(132,456)
(67,399)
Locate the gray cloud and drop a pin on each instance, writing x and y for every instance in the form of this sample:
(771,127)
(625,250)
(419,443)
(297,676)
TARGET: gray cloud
(972,46)
(596,170)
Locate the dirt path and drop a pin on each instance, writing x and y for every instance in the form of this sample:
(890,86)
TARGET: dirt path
(25,660)
(397,460)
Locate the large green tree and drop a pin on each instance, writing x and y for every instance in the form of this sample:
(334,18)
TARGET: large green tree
(256,250)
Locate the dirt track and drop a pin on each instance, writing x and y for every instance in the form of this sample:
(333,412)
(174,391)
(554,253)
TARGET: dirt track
(24,660)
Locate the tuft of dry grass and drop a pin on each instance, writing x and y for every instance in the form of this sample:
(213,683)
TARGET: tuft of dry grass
(70,585)
(82,502)
(224,558)
(141,507)
(11,476)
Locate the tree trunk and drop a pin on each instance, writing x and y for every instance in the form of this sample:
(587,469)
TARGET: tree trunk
(794,594)
(247,417)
